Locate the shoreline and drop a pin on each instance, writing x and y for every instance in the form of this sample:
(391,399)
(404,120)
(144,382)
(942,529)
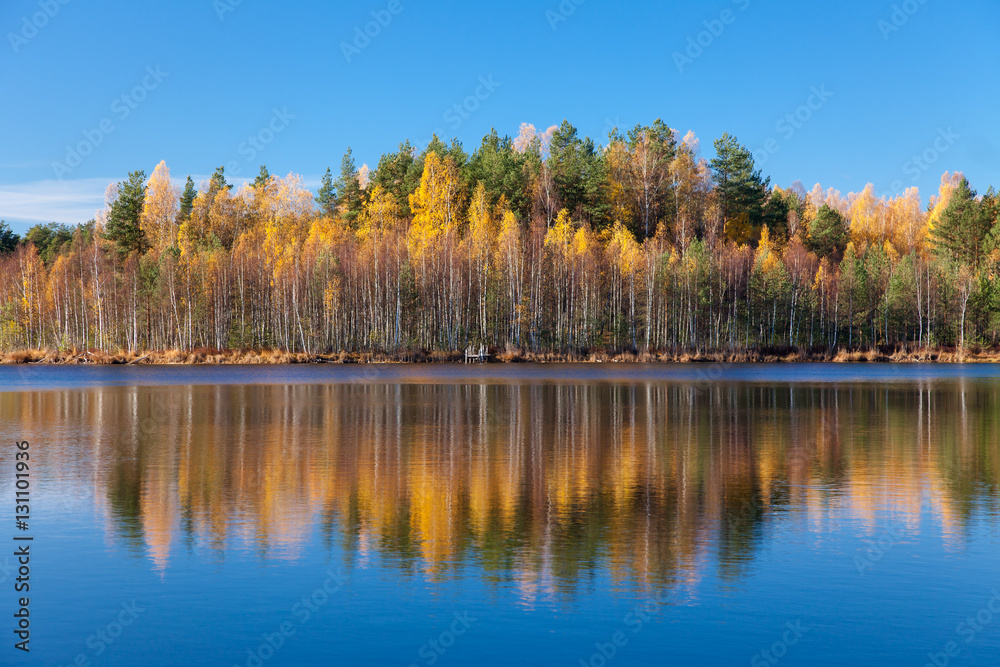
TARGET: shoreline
(208,357)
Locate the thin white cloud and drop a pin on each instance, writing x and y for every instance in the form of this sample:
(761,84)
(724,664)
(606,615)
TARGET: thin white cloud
(73,201)
(67,202)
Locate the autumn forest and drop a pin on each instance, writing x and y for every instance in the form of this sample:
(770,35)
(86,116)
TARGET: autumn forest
(545,243)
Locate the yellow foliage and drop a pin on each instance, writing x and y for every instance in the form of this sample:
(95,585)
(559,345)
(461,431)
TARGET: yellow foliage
(435,204)
(867,216)
(159,212)
(890,252)
(768,259)
(481,226)
(560,234)
(582,242)
(326,232)
(617,159)
(628,253)
(380,214)
(949,183)
(907,221)
(739,230)
(509,244)
(821,277)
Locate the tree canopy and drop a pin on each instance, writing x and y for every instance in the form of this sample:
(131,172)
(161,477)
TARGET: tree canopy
(548,242)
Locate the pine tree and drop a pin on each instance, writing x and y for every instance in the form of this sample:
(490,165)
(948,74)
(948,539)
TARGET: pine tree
(990,210)
(579,174)
(776,214)
(828,234)
(349,194)
(217,183)
(187,201)
(49,239)
(964,227)
(500,169)
(326,197)
(124,226)
(741,189)
(8,239)
(399,175)
(262,178)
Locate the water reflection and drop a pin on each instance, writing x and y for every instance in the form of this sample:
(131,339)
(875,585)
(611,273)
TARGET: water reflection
(540,486)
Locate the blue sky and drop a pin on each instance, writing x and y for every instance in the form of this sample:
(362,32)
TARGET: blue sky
(191,81)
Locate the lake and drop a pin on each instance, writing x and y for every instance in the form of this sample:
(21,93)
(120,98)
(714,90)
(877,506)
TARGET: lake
(570,515)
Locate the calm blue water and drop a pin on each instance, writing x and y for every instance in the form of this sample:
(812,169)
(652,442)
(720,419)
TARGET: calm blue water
(507,515)
(70,377)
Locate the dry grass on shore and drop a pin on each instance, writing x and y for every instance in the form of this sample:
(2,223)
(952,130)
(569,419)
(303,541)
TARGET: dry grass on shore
(208,356)
(188,357)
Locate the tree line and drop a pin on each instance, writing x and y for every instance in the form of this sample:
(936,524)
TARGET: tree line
(545,242)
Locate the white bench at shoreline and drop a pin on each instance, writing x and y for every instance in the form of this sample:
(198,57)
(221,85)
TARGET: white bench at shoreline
(474,355)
